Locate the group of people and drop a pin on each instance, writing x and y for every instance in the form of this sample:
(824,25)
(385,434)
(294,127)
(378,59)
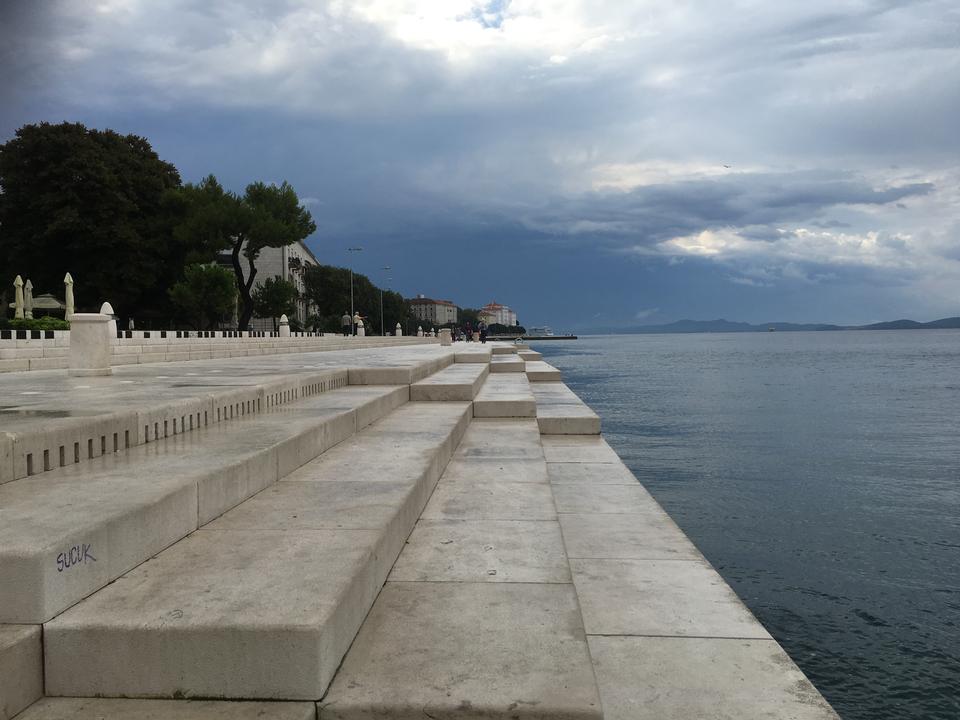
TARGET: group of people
(469,333)
(350,324)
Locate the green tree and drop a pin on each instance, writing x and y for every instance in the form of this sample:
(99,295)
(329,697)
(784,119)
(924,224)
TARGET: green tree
(328,288)
(275,297)
(206,295)
(93,203)
(265,216)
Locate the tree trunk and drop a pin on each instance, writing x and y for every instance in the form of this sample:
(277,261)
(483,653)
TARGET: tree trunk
(243,286)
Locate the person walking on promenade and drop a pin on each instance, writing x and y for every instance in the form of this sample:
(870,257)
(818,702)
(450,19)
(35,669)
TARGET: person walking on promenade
(482,327)
(345,323)
(468,331)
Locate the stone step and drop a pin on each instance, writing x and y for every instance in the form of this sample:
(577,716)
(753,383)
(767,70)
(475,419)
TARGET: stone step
(668,637)
(473,353)
(539,371)
(263,602)
(21,668)
(505,395)
(503,348)
(561,412)
(68,532)
(530,355)
(506,363)
(126,709)
(460,381)
(479,618)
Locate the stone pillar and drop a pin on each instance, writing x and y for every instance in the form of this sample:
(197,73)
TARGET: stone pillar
(419,331)
(18,298)
(446,338)
(68,296)
(399,330)
(28,300)
(361,330)
(284,326)
(90,340)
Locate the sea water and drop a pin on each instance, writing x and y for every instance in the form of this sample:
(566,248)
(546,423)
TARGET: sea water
(820,474)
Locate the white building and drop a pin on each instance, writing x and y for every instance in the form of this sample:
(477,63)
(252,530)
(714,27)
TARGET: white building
(288,263)
(433,312)
(496,313)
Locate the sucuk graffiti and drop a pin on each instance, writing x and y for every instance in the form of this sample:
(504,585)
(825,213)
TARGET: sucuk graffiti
(77,555)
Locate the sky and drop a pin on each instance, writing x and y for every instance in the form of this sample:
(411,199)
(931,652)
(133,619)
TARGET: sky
(590,163)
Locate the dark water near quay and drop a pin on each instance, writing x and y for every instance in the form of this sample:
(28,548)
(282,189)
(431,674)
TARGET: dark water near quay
(820,474)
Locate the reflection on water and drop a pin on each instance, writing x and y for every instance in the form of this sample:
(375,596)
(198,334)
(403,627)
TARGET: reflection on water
(820,474)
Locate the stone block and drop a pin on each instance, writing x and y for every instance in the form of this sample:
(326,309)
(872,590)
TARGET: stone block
(505,395)
(6,458)
(483,551)
(128,709)
(482,499)
(506,363)
(21,668)
(651,535)
(660,597)
(588,473)
(655,678)
(460,381)
(481,650)
(605,499)
(82,533)
(223,613)
(473,354)
(538,371)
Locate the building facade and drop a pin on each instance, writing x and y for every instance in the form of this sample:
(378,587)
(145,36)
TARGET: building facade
(287,263)
(494,312)
(433,312)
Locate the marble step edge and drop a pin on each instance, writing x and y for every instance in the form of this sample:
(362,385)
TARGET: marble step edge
(37,583)
(79,662)
(68,441)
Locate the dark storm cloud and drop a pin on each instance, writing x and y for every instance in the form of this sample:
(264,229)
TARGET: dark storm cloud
(474,131)
(651,214)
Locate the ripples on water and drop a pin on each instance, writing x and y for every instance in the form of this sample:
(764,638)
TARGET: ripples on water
(820,474)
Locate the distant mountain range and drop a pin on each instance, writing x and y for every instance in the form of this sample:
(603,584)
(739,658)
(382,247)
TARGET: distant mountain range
(727,326)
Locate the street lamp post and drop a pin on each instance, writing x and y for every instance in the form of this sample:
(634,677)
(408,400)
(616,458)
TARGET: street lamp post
(352,313)
(382,334)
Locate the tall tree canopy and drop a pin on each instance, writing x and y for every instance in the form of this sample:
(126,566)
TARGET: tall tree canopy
(206,294)
(219,220)
(275,297)
(93,203)
(328,288)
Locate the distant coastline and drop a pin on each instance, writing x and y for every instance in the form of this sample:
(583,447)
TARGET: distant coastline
(728,326)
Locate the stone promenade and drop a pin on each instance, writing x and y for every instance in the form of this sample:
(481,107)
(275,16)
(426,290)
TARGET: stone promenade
(416,531)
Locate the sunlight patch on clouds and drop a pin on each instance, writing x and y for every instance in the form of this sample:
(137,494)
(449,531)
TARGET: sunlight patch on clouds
(627,176)
(787,254)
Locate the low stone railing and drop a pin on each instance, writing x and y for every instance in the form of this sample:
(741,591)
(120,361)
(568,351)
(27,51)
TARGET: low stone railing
(50,349)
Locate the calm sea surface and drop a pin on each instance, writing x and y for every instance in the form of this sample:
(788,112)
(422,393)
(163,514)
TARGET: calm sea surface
(820,474)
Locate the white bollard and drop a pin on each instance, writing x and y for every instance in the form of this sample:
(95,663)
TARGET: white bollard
(419,331)
(284,326)
(399,330)
(361,330)
(90,340)
(446,338)
(107,309)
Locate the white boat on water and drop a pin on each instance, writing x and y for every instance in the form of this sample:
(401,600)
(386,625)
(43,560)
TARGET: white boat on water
(544,331)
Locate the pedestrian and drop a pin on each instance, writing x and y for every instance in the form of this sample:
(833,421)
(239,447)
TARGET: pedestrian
(345,322)
(468,331)
(482,327)
(356,321)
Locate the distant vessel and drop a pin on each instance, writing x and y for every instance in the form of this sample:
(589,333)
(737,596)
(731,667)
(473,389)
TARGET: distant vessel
(544,331)
(771,329)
